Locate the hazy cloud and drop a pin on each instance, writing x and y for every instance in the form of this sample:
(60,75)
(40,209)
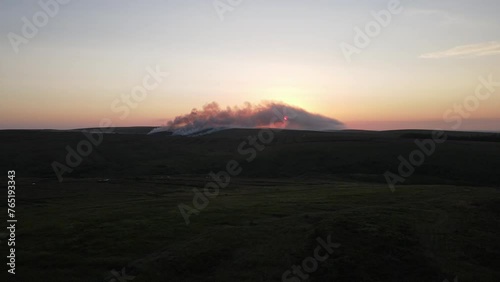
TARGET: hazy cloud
(463,51)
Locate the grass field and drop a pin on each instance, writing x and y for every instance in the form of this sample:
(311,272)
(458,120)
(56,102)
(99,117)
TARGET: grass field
(303,187)
(256,230)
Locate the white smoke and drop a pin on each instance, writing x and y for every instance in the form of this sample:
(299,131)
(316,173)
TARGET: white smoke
(266,114)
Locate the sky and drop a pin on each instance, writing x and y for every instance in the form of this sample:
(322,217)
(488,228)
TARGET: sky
(417,70)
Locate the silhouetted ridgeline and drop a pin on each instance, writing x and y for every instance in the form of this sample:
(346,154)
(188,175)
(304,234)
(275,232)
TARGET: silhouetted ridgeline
(480,137)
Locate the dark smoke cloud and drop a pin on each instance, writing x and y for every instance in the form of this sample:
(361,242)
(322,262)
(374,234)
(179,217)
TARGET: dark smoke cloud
(265,114)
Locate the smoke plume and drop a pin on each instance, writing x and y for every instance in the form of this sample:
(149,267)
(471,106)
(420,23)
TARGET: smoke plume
(264,115)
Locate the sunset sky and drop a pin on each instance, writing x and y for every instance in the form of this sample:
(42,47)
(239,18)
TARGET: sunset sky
(426,60)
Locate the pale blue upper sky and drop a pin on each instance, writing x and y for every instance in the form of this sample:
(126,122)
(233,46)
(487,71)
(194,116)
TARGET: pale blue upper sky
(288,50)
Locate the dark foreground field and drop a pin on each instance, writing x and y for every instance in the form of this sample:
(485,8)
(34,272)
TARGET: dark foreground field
(303,188)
